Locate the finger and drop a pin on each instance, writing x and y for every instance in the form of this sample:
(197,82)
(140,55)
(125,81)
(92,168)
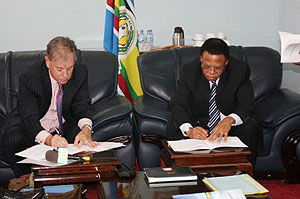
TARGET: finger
(203,136)
(76,141)
(91,144)
(212,136)
(82,141)
(59,141)
(96,143)
(225,137)
(202,130)
(220,137)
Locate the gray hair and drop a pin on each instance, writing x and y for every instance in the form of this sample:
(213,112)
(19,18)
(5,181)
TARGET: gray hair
(59,45)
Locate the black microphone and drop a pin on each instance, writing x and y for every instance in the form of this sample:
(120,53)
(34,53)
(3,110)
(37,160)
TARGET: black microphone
(52,156)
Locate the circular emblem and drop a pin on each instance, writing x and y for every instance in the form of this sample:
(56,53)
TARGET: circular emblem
(127,33)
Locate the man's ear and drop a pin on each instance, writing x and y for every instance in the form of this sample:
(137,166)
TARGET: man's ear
(47,60)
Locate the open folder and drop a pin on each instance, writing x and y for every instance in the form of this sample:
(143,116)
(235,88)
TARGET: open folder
(194,144)
(243,182)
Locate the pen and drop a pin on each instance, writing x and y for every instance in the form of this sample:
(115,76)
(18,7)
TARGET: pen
(57,131)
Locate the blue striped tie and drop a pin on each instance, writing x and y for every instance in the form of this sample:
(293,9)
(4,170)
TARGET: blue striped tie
(214,113)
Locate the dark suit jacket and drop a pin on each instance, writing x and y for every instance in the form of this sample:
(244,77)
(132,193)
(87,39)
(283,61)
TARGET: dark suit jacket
(35,94)
(189,103)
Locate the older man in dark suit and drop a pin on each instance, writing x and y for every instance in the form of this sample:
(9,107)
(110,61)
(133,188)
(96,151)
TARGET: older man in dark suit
(214,98)
(53,103)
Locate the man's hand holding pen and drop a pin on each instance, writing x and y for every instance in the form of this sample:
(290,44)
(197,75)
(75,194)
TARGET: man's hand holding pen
(197,133)
(56,141)
(220,131)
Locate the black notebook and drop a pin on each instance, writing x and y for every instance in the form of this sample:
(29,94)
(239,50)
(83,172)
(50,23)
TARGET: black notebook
(158,174)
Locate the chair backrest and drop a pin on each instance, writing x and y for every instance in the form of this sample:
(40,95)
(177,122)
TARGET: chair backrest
(159,70)
(102,71)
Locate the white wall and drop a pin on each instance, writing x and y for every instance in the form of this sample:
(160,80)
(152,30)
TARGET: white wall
(244,22)
(30,24)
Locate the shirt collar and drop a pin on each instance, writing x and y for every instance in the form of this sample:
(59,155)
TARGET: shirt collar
(217,82)
(53,81)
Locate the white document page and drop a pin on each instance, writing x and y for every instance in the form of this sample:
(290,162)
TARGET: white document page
(290,47)
(194,144)
(38,151)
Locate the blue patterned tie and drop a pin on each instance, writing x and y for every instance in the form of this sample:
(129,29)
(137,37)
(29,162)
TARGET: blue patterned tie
(59,99)
(214,113)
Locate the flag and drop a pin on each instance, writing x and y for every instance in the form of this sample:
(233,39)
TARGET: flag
(120,38)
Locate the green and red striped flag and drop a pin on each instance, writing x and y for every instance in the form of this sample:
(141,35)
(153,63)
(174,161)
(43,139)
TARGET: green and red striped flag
(120,38)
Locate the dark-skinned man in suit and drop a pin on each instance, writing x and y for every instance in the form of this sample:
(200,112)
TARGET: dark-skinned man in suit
(191,104)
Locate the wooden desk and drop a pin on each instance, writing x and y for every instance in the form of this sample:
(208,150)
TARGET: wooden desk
(208,161)
(78,172)
(136,187)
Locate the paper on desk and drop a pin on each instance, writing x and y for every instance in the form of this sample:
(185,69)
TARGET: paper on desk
(44,162)
(290,47)
(244,182)
(38,151)
(194,144)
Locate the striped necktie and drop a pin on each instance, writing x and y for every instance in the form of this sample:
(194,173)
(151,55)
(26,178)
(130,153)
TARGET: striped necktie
(59,99)
(214,113)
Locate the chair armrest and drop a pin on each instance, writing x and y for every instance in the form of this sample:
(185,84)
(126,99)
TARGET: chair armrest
(111,109)
(155,139)
(123,139)
(149,107)
(278,106)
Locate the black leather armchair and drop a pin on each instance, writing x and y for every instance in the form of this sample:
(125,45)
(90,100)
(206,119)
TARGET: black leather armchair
(111,113)
(278,108)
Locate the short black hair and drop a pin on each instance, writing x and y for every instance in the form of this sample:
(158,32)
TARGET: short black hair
(215,46)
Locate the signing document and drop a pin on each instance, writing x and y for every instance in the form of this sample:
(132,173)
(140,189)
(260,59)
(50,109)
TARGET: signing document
(36,154)
(195,144)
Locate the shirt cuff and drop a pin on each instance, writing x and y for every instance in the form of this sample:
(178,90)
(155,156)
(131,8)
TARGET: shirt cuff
(84,121)
(237,119)
(185,127)
(41,136)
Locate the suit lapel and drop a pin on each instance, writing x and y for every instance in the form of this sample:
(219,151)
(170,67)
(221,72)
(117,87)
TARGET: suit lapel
(47,89)
(222,82)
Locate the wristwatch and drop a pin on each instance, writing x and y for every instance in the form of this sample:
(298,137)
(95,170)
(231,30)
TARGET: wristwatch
(89,127)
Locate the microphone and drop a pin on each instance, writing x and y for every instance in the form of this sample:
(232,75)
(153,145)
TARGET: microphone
(52,156)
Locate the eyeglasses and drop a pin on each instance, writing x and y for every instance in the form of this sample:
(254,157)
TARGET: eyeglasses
(208,68)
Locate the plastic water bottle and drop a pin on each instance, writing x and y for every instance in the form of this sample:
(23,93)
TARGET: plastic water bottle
(141,41)
(150,38)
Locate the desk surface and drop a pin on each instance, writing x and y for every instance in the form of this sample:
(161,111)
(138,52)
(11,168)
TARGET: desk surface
(137,187)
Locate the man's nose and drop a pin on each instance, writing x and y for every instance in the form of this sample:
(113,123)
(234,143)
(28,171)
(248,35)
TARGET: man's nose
(65,73)
(212,70)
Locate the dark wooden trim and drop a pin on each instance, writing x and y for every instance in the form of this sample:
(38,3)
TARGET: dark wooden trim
(290,160)
(206,161)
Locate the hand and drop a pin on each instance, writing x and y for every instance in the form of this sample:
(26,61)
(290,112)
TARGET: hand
(85,137)
(222,129)
(197,133)
(56,141)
